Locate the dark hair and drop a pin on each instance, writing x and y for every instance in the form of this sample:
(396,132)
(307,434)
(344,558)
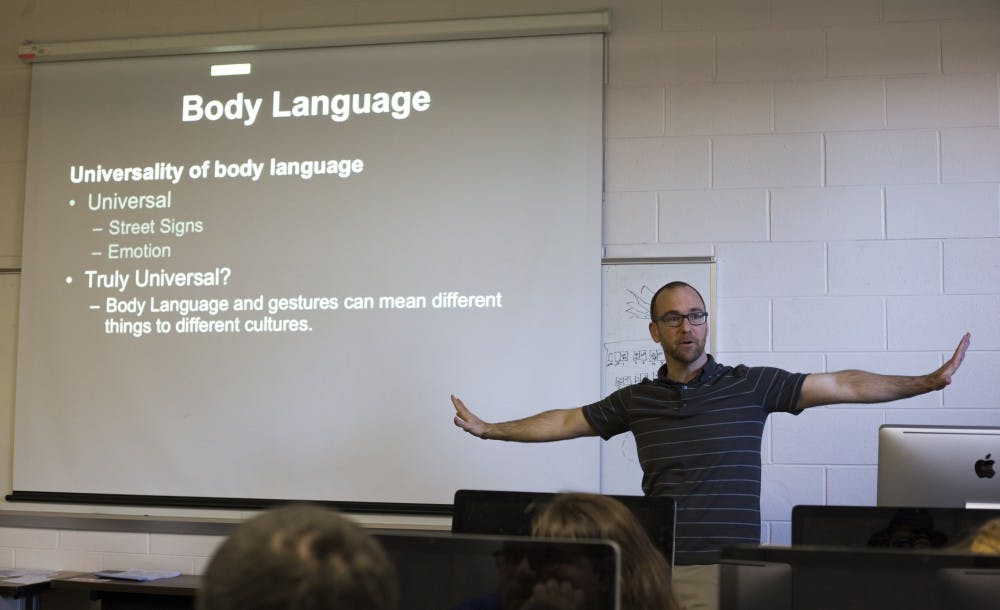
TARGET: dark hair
(645,573)
(671,286)
(299,556)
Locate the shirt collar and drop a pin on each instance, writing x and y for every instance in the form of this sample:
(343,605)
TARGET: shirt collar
(706,373)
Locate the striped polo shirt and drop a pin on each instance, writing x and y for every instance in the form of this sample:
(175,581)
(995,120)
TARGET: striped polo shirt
(700,443)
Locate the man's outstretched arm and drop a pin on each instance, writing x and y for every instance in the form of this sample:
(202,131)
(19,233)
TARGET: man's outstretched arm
(862,386)
(555,425)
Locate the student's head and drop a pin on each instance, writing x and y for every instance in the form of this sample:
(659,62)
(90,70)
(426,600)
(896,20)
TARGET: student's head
(299,556)
(645,573)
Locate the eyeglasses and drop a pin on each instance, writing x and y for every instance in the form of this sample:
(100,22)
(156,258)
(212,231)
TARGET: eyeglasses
(696,318)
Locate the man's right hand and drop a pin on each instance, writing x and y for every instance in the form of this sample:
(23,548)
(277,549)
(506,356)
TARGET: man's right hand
(554,425)
(467,420)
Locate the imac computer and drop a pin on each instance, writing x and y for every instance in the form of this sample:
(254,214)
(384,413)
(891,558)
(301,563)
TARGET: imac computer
(938,466)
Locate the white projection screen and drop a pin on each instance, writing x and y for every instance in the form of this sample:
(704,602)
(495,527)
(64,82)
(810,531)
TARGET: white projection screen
(267,285)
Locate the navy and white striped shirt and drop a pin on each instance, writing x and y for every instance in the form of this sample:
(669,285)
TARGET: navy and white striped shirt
(700,443)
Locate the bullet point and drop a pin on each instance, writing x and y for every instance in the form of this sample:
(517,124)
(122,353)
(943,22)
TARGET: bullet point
(72,202)
(69,279)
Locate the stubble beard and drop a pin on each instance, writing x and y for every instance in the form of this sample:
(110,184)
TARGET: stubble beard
(687,353)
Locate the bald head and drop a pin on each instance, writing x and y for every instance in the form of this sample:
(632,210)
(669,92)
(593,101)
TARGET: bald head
(653,312)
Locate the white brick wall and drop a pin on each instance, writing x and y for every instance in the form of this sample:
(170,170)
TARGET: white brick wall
(971,264)
(885,49)
(963,100)
(882,157)
(92,548)
(718,108)
(885,267)
(634,112)
(101,550)
(970,155)
(819,12)
(942,210)
(739,215)
(771,269)
(970,46)
(657,163)
(829,105)
(829,324)
(761,55)
(767,160)
(841,159)
(826,214)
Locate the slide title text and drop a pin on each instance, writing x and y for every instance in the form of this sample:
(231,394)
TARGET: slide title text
(339,107)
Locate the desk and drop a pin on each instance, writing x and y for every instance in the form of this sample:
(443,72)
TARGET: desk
(28,593)
(176,593)
(834,578)
(13,595)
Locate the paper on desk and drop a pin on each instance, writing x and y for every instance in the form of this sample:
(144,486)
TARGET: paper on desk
(140,575)
(26,577)
(27,580)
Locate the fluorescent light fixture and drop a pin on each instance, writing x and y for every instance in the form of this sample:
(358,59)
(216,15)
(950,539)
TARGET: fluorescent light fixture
(230,69)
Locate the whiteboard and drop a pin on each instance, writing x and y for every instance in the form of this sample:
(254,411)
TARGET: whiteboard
(629,354)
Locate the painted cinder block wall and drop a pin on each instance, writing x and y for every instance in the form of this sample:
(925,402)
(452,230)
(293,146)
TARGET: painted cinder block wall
(841,160)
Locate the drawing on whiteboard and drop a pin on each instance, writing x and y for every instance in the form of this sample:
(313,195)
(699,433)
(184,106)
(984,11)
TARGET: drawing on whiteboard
(638,306)
(628,362)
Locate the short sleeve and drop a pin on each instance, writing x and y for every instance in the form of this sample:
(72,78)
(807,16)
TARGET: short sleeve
(781,390)
(609,417)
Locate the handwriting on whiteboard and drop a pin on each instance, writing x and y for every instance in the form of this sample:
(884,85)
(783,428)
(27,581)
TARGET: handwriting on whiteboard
(628,362)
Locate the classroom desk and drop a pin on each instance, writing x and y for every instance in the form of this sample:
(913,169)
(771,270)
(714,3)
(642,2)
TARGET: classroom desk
(757,577)
(176,593)
(25,592)
(26,596)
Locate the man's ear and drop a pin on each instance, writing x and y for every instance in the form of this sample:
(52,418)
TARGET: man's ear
(654,332)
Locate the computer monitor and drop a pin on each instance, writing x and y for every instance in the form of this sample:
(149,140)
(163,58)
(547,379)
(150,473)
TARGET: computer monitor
(931,466)
(908,527)
(445,571)
(509,513)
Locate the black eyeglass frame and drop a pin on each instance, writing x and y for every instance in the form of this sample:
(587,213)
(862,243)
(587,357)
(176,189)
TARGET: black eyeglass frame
(695,318)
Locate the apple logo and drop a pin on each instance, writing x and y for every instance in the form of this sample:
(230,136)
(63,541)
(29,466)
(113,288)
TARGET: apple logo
(984,467)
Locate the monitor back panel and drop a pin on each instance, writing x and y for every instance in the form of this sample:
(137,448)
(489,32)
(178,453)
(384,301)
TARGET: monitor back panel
(885,526)
(941,466)
(509,513)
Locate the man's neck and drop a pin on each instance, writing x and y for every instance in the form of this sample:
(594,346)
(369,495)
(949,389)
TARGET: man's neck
(680,372)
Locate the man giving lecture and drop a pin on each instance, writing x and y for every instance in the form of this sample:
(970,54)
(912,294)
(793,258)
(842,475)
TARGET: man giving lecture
(698,425)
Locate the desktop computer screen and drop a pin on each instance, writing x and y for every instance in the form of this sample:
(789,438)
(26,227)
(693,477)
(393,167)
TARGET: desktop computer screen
(933,466)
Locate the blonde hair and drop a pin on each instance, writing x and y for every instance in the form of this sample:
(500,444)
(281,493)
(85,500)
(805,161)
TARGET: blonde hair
(645,573)
(986,540)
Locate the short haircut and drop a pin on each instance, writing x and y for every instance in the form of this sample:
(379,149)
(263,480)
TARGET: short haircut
(671,286)
(299,556)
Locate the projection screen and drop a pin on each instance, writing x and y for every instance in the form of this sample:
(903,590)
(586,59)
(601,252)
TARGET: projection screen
(267,285)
